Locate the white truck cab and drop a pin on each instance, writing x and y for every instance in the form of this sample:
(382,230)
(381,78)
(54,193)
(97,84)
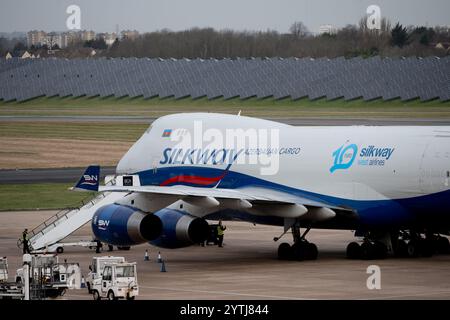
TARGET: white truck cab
(119,281)
(96,268)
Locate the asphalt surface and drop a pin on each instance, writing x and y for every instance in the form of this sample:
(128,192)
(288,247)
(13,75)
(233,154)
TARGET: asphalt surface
(65,175)
(294,121)
(247,267)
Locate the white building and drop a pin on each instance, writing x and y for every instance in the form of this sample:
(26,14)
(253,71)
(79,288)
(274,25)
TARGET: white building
(108,37)
(130,34)
(70,38)
(36,38)
(327,28)
(87,35)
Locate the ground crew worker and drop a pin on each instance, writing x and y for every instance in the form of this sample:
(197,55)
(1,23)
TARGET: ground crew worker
(220,232)
(98,247)
(26,248)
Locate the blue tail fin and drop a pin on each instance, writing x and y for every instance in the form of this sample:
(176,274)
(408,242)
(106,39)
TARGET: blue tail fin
(89,181)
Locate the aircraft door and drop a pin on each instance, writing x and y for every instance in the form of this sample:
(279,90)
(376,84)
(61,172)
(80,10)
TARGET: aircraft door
(435,166)
(155,164)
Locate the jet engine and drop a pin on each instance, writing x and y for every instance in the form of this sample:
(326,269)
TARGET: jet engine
(124,226)
(180,229)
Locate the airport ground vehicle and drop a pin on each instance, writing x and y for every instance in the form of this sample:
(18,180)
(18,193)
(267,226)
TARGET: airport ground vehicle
(96,268)
(3,269)
(119,281)
(49,277)
(41,277)
(59,246)
(8,290)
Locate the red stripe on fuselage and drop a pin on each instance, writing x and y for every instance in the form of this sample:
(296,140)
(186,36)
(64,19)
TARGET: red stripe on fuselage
(204,181)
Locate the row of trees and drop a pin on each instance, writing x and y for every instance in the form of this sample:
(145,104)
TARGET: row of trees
(348,41)
(352,40)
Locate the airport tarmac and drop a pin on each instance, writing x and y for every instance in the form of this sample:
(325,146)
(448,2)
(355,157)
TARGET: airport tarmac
(247,267)
(48,175)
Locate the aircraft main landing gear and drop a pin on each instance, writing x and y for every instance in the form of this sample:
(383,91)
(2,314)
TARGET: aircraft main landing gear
(374,246)
(367,250)
(402,243)
(300,250)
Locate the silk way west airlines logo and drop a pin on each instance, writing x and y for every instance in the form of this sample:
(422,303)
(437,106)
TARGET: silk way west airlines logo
(90,180)
(344,157)
(103,224)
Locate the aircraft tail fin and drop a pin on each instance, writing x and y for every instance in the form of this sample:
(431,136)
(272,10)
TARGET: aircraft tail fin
(89,181)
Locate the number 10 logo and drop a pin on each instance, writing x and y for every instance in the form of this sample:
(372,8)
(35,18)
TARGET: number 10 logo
(344,157)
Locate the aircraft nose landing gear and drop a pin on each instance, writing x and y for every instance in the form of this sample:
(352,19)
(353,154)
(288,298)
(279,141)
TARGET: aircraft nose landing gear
(300,250)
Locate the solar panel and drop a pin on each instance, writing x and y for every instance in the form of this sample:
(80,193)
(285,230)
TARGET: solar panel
(370,78)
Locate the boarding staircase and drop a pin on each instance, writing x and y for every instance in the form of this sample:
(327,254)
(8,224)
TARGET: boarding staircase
(67,221)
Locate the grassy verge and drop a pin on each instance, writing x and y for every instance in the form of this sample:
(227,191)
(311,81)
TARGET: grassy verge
(38,196)
(156,107)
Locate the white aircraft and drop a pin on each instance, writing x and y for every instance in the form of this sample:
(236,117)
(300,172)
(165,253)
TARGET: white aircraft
(389,184)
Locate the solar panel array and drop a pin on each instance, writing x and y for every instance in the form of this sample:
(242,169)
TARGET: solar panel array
(369,79)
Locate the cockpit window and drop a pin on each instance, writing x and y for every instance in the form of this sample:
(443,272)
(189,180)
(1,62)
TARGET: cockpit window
(149,129)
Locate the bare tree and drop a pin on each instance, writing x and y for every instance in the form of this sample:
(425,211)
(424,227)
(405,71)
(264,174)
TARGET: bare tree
(385,26)
(350,41)
(299,30)
(51,41)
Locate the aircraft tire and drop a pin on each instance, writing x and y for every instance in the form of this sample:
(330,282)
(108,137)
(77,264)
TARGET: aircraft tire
(284,251)
(413,248)
(312,251)
(353,250)
(380,250)
(300,250)
(426,248)
(368,251)
(401,250)
(442,245)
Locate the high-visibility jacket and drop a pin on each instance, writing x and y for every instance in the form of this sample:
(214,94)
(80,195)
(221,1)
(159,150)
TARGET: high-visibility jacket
(220,230)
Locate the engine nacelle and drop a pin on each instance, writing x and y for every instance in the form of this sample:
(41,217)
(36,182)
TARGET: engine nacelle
(125,226)
(180,230)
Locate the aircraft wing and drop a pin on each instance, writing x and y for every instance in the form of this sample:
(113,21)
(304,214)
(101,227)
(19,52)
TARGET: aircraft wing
(255,200)
(249,194)
(258,201)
